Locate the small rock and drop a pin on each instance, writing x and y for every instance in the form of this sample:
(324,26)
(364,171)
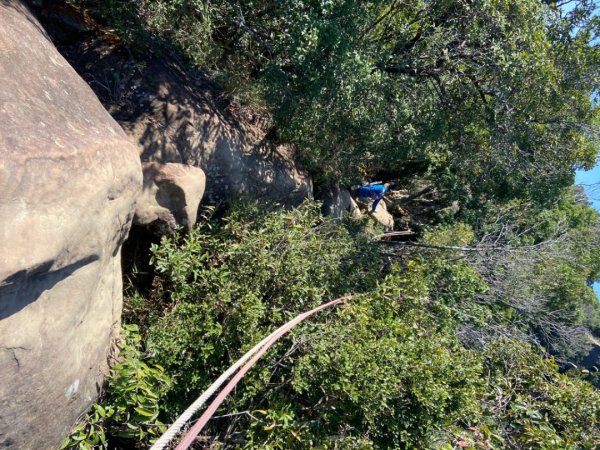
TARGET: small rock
(170,198)
(336,201)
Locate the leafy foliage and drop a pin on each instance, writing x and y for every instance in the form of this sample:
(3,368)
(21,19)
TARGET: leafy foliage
(493,91)
(242,278)
(385,368)
(388,369)
(90,432)
(540,270)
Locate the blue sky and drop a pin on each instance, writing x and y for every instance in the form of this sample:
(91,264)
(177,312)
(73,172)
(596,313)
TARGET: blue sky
(588,179)
(591,177)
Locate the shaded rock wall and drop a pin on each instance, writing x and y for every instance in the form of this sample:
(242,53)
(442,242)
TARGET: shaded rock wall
(182,126)
(68,181)
(176,115)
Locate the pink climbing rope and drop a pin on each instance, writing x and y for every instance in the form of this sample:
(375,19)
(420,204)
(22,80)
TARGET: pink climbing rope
(189,437)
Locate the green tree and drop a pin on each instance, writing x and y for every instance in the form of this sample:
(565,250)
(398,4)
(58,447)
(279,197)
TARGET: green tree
(494,97)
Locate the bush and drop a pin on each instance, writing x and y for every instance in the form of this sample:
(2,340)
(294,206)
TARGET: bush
(384,370)
(233,283)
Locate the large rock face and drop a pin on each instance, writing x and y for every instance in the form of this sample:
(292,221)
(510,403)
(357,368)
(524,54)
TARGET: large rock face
(181,117)
(181,126)
(68,182)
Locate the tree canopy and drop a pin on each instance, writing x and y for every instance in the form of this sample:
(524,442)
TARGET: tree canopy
(494,96)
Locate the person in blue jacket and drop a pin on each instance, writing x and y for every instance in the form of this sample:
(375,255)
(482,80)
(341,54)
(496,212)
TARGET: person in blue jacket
(373,191)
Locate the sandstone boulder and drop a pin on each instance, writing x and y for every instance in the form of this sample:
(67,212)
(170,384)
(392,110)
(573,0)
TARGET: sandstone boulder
(179,116)
(381,214)
(170,197)
(69,178)
(337,201)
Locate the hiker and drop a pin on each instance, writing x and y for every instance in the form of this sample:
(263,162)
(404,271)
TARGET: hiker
(373,191)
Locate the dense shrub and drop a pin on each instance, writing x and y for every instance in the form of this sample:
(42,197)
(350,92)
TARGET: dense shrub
(384,370)
(234,282)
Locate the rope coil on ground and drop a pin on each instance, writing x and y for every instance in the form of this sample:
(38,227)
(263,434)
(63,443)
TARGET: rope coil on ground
(258,350)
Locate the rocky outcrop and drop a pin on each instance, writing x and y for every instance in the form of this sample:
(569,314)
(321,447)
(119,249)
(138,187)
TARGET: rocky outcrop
(337,201)
(68,181)
(380,215)
(181,126)
(178,116)
(170,197)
